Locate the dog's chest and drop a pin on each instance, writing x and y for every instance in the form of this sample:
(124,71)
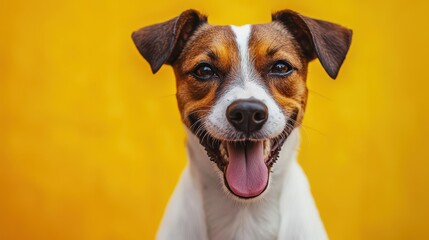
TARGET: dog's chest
(231,220)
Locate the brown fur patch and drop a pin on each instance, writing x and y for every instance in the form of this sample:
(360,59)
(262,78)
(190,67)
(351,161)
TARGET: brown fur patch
(270,43)
(216,46)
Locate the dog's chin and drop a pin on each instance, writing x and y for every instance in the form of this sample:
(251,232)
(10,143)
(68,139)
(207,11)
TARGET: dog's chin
(245,164)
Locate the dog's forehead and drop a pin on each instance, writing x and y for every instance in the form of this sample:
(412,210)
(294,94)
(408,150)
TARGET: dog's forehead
(274,38)
(228,33)
(227,43)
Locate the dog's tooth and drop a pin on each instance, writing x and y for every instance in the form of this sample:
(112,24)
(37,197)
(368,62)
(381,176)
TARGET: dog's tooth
(223,152)
(267,148)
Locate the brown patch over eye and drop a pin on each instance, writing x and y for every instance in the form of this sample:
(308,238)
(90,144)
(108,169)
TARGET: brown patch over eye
(203,69)
(278,59)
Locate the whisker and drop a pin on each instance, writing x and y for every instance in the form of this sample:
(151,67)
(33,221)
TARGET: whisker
(319,94)
(314,129)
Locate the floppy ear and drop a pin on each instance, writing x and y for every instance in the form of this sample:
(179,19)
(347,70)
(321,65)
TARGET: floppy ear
(161,43)
(328,41)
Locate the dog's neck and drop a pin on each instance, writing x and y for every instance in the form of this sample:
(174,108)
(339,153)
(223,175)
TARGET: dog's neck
(224,212)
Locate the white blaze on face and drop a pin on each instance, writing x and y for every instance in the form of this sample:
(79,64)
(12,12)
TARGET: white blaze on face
(247,84)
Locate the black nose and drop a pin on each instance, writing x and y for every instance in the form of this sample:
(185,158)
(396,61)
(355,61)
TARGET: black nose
(247,115)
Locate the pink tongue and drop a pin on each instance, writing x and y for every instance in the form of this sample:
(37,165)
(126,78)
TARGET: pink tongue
(246,174)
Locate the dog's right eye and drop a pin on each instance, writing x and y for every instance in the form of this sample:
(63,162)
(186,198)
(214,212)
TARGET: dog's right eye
(204,72)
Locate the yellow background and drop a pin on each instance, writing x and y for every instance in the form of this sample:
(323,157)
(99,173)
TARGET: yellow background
(91,144)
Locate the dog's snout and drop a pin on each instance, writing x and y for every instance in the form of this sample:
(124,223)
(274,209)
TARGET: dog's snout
(247,115)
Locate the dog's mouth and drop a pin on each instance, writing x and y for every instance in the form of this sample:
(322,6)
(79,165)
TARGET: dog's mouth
(246,164)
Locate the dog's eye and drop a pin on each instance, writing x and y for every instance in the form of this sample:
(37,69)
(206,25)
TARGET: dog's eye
(281,68)
(204,72)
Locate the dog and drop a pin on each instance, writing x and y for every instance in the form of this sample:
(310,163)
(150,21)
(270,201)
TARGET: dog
(241,93)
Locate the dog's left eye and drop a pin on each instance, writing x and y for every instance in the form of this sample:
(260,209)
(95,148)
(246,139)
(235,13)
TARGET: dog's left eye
(281,68)
(204,72)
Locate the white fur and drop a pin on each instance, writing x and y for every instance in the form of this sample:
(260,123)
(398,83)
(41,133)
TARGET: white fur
(201,207)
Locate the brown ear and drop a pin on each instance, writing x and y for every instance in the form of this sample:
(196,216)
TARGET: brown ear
(161,43)
(328,41)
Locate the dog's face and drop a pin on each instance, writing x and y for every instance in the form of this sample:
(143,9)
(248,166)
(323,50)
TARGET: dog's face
(242,90)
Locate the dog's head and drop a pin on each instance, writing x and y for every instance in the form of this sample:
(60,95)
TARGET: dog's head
(242,90)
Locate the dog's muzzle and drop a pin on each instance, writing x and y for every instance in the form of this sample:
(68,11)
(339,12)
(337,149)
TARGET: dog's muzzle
(247,156)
